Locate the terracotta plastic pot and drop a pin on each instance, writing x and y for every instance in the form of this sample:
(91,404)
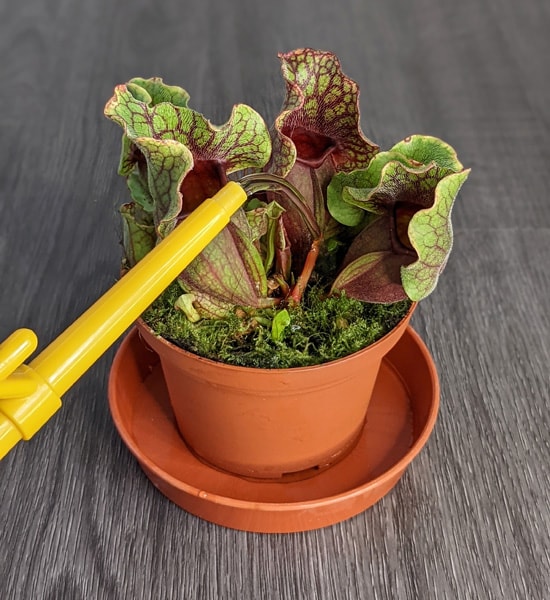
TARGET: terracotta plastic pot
(270,423)
(401,416)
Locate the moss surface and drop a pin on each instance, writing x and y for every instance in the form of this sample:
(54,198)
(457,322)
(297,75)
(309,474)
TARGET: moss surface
(320,330)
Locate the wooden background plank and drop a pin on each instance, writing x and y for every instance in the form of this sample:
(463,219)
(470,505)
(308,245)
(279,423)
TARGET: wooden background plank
(470,519)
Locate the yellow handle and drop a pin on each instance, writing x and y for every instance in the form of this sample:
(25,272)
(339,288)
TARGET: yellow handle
(69,356)
(14,350)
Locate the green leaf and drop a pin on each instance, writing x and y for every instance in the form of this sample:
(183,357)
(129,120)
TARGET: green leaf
(228,273)
(371,268)
(265,221)
(259,216)
(348,193)
(187,158)
(280,322)
(185,304)
(316,134)
(373,277)
(138,235)
(139,191)
(400,185)
(153,91)
(391,180)
(338,198)
(128,157)
(430,234)
(242,142)
(425,149)
(168,162)
(411,236)
(319,120)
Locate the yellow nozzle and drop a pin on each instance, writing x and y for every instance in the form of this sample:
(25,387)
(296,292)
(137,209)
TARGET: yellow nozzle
(30,395)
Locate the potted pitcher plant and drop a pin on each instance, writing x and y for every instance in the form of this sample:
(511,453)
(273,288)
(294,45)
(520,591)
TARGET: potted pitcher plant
(271,340)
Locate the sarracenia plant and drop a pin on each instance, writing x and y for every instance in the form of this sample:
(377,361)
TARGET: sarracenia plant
(375,224)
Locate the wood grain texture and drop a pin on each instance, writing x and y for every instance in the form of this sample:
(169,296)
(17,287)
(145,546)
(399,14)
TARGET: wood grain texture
(470,519)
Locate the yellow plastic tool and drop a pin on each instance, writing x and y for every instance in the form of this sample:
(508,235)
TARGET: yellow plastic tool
(30,395)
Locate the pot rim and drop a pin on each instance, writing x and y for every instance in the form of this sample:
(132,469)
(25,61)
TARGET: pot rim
(367,349)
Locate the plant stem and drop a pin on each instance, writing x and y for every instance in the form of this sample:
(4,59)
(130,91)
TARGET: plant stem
(311,259)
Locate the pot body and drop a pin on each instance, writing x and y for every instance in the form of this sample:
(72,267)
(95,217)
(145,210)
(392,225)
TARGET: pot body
(270,423)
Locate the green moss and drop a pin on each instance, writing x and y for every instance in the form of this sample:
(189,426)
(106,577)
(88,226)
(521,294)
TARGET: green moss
(320,330)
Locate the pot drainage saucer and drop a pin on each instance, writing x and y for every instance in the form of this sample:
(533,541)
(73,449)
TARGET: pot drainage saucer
(401,416)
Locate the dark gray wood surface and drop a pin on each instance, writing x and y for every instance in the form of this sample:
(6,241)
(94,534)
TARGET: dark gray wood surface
(470,519)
